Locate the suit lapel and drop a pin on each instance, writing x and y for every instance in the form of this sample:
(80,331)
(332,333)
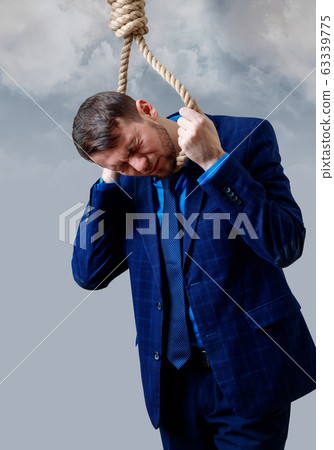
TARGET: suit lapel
(144,204)
(193,203)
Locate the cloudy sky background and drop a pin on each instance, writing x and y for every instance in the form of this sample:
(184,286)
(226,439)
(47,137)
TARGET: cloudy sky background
(81,387)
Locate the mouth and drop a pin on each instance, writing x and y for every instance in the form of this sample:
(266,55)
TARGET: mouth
(155,169)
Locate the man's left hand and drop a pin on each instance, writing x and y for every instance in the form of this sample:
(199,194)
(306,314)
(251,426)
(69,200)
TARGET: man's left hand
(198,137)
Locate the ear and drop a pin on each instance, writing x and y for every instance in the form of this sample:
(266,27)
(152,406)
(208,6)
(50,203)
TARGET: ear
(146,109)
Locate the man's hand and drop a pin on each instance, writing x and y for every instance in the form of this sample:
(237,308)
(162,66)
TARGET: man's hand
(110,176)
(198,137)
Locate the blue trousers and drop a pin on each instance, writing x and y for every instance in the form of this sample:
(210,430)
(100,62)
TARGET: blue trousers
(195,416)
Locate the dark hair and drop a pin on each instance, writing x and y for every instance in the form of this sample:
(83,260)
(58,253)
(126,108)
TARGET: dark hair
(96,121)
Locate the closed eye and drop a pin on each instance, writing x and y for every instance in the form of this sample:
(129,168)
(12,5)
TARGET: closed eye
(134,147)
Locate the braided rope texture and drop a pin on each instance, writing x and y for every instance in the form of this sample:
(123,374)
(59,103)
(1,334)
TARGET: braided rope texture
(128,20)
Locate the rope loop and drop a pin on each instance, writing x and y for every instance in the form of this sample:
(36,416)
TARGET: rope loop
(128,20)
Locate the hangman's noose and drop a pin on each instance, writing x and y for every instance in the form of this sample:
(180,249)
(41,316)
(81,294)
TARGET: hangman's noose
(128,20)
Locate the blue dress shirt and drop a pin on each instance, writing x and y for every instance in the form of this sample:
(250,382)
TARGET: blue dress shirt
(180,190)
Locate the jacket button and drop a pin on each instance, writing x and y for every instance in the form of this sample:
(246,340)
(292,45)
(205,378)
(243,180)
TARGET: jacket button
(226,189)
(159,306)
(234,198)
(238,202)
(156,356)
(230,194)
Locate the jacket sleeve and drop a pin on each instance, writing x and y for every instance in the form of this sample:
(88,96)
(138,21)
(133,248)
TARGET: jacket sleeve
(98,253)
(256,190)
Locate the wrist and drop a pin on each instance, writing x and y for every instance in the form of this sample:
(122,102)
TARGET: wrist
(207,164)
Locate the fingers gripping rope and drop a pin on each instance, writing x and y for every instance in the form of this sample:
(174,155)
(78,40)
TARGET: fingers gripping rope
(128,20)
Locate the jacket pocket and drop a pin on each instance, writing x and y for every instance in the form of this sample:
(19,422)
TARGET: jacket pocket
(273,311)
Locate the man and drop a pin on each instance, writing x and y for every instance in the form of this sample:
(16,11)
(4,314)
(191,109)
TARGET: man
(223,346)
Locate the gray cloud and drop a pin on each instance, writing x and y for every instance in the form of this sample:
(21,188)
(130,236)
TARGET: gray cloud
(44,44)
(67,48)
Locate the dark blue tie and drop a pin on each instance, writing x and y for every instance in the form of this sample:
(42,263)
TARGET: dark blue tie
(178,344)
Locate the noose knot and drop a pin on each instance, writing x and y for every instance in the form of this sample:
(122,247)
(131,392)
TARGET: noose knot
(128,18)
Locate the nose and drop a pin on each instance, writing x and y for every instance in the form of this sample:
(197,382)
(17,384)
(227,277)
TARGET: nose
(140,163)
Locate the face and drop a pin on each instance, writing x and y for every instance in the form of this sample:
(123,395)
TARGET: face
(144,149)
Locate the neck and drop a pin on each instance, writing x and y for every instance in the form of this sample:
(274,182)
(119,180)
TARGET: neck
(171,128)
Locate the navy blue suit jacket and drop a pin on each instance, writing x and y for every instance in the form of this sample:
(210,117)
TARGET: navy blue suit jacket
(255,336)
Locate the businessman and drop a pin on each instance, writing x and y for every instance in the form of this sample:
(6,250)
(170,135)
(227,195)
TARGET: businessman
(224,348)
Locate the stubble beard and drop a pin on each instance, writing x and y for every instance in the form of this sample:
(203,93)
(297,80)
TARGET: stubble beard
(170,151)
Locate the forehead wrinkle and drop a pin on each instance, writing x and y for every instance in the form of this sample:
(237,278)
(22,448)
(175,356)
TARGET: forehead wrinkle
(132,144)
(123,155)
(127,135)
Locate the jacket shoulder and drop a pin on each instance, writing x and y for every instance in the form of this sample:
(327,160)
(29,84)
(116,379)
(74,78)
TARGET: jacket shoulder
(237,123)
(235,133)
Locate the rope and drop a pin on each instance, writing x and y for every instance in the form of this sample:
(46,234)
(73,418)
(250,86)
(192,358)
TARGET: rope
(128,20)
